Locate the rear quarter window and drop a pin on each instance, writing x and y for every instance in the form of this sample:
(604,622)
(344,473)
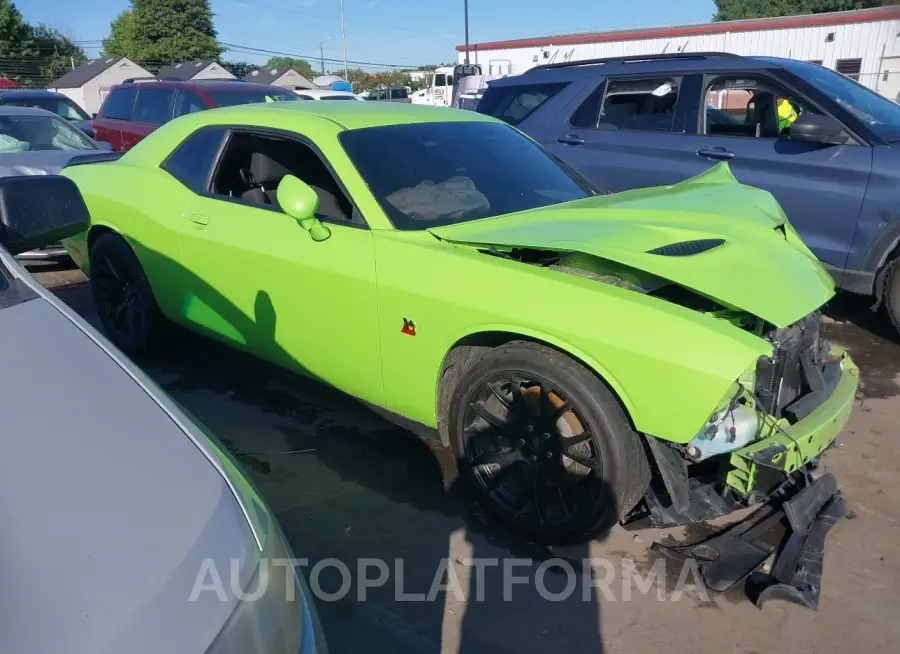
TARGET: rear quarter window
(513,104)
(190,164)
(119,104)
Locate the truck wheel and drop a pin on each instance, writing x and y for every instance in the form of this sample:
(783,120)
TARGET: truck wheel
(544,444)
(124,299)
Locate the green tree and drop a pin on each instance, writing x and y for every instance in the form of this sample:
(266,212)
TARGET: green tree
(57,52)
(238,68)
(160,31)
(740,9)
(300,65)
(16,37)
(121,39)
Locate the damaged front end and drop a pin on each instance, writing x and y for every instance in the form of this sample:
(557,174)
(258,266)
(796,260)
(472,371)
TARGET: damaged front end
(762,448)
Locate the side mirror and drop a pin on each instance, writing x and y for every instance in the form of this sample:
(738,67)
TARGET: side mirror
(39,210)
(93,116)
(811,128)
(300,202)
(105,145)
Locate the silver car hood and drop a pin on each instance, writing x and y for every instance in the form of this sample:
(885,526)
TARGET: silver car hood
(41,162)
(108,509)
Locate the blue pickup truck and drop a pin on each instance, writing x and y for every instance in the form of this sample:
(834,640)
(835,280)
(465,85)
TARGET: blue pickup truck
(833,163)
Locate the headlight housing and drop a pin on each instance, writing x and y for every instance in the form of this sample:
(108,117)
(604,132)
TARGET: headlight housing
(733,424)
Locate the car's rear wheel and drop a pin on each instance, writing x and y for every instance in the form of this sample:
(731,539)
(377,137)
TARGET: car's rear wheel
(545,444)
(124,299)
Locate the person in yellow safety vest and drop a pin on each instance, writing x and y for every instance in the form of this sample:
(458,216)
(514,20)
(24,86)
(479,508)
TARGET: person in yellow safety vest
(786,114)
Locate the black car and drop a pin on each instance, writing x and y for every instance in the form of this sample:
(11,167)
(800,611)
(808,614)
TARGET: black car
(57,103)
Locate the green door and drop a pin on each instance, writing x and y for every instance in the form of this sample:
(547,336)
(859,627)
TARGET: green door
(256,279)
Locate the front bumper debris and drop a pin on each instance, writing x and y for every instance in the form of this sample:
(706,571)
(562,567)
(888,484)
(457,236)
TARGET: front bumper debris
(788,448)
(738,552)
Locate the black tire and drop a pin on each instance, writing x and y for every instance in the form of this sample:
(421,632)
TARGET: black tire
(531,436)
(891,292)
(125,303)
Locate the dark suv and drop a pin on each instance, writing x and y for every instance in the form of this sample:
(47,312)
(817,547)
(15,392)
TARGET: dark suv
(831,156)
(136,107)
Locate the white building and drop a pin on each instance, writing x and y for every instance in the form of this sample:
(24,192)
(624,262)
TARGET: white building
(863,44)
(89,83)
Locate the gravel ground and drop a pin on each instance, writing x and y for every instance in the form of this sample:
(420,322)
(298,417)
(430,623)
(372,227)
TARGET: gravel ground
(347,486)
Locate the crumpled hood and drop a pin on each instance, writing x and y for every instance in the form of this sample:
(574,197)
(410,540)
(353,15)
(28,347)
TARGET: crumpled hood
(725,240)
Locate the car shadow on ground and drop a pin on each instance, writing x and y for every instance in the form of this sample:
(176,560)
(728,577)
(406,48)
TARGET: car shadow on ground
(356,494)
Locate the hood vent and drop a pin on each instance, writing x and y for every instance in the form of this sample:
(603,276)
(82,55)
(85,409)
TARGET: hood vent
(687,248)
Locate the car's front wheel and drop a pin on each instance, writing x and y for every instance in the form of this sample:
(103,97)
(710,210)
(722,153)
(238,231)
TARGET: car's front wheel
(125,303)
(545,444)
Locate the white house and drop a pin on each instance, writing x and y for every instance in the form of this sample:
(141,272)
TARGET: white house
(89,83)
(864,45)
(201,69)
(287,78)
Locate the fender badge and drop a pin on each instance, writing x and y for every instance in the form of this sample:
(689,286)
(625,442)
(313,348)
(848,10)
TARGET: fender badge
(409,327)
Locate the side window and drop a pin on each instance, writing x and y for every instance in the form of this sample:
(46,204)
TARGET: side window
(153,106)
(119,103)
(400,94)
(188,103)
(588,112)
(252,166)
(514,104)
(639,104)
(191,162)
(750,107)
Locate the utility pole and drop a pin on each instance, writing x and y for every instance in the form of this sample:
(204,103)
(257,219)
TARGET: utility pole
(344,42)
(322,55)
(466,18)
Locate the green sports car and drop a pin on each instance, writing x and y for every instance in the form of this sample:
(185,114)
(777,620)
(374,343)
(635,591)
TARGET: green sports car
(589,358)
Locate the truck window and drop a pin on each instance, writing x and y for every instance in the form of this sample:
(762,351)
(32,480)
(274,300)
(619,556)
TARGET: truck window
(440,80)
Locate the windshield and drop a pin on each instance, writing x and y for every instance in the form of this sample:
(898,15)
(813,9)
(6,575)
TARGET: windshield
(230,98)
(447,173)
(62,108)
(880,114)
(34,133)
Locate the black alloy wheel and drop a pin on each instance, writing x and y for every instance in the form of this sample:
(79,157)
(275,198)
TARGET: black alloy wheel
(124,299)
(529,448)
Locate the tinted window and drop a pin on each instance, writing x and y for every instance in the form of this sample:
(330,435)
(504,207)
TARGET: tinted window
(399,93)
(338,97)
(588,112)
(119,104)
(514,104)
(641,104)
(440,80)
(64,108)
(35,133)
(230,98)
(190,163)
(188,103)
(153,106)
(445,173)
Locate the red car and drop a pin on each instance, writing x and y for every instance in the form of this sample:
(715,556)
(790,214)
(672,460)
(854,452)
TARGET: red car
(136,107)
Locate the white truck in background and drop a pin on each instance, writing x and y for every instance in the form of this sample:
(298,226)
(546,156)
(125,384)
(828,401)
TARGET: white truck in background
(450,83)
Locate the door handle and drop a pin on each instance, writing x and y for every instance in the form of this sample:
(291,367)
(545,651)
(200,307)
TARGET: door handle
(716,153)
(198,219)
(570,139)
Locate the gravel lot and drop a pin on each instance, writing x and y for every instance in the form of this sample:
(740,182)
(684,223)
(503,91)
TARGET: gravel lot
(348,486)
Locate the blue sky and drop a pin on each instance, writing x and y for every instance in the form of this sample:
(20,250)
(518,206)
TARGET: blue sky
(402,32)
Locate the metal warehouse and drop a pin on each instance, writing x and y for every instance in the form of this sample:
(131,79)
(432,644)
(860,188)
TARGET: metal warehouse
(864,45)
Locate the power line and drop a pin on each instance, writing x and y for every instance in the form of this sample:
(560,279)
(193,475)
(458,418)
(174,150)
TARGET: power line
(250,50)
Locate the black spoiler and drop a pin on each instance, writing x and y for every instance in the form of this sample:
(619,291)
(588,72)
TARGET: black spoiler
(93,157)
